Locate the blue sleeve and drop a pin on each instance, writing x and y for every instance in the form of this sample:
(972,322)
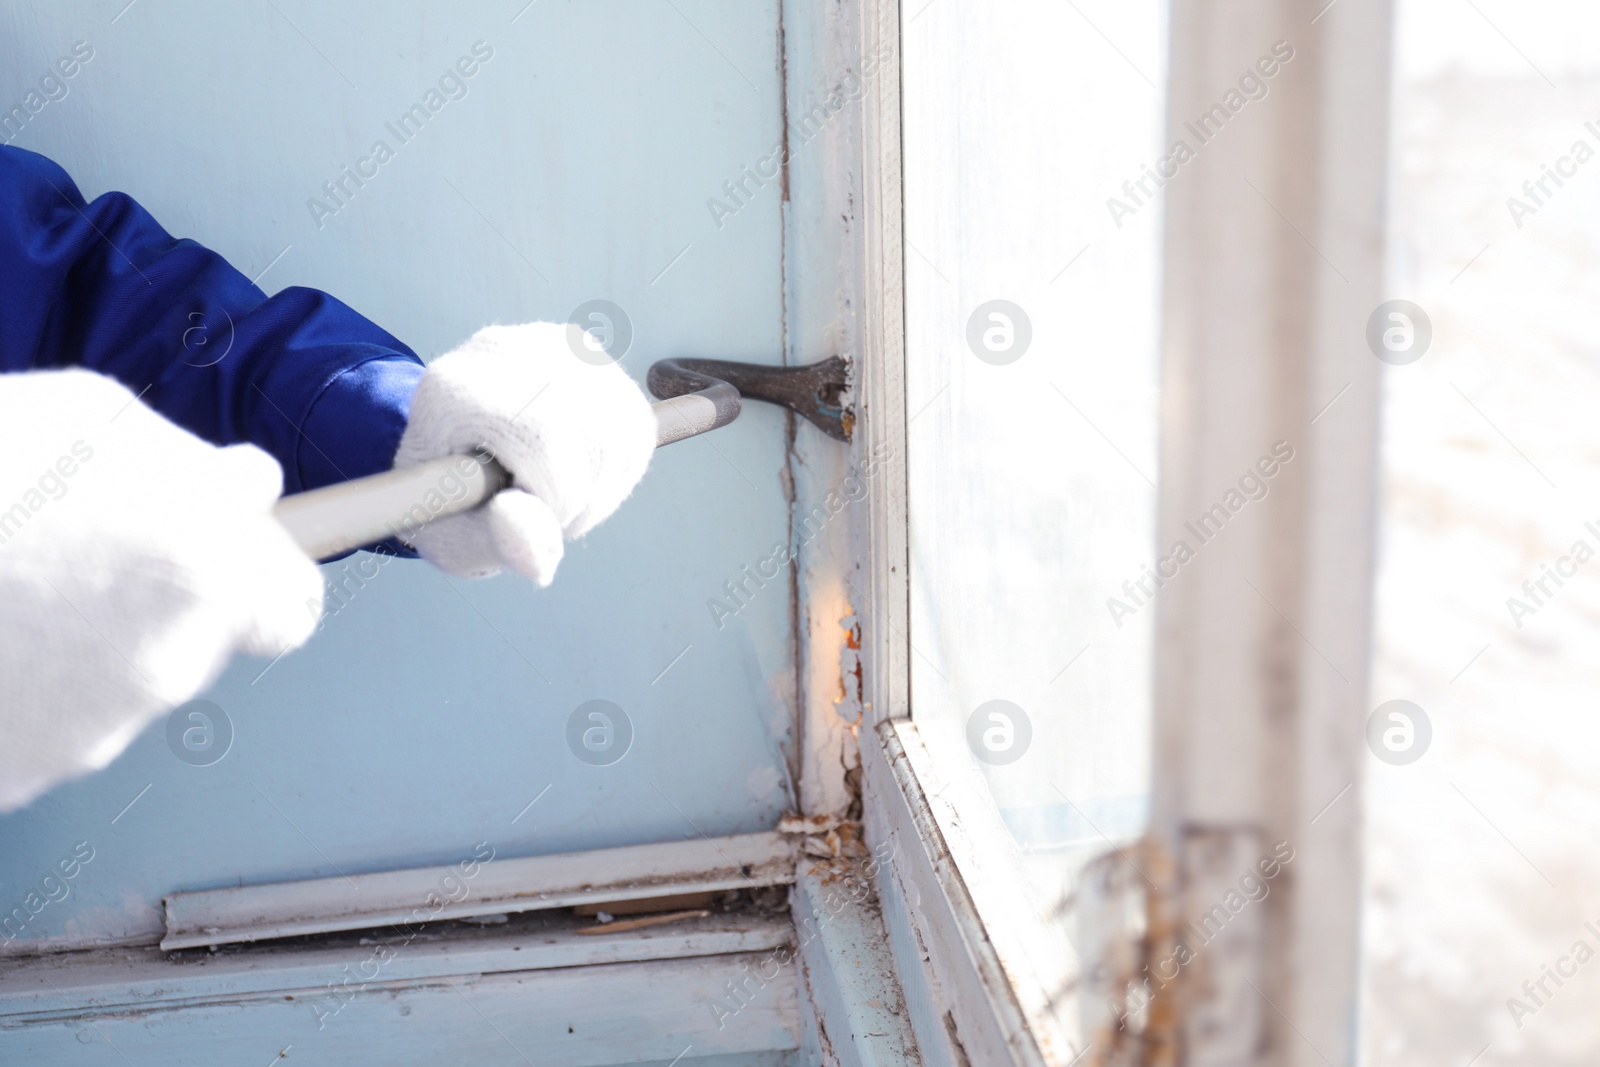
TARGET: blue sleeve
(101,285)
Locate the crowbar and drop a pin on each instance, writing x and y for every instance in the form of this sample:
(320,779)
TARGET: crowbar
(696,395)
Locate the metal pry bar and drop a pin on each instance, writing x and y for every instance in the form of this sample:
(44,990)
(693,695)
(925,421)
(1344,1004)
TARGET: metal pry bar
(815,390)
(697,395)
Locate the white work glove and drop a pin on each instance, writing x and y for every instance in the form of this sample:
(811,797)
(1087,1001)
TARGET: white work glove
(575,436)
(135,559)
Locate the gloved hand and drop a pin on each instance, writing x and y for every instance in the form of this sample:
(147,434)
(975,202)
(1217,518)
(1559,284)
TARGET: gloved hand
(135,559)
(576,438)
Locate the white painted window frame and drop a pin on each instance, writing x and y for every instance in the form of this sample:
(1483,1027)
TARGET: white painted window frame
(1239,362)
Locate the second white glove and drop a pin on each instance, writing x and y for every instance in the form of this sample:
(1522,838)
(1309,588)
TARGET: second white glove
(576,438)
(135,559)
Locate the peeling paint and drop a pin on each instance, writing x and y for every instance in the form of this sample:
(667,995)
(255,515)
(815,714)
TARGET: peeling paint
(851,698)
(808,824)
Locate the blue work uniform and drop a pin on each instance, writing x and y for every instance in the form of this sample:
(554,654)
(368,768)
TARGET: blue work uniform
(102,286)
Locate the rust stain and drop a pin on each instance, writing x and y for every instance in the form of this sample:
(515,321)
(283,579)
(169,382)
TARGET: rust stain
(1136,896)
(851,701)
(807,824)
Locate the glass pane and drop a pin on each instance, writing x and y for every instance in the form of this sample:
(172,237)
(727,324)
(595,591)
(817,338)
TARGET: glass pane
(1031,317)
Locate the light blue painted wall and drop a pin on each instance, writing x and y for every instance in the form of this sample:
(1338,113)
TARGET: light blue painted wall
(428,712)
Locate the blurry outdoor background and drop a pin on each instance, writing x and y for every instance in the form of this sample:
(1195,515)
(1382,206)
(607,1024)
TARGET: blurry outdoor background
(1481,860)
